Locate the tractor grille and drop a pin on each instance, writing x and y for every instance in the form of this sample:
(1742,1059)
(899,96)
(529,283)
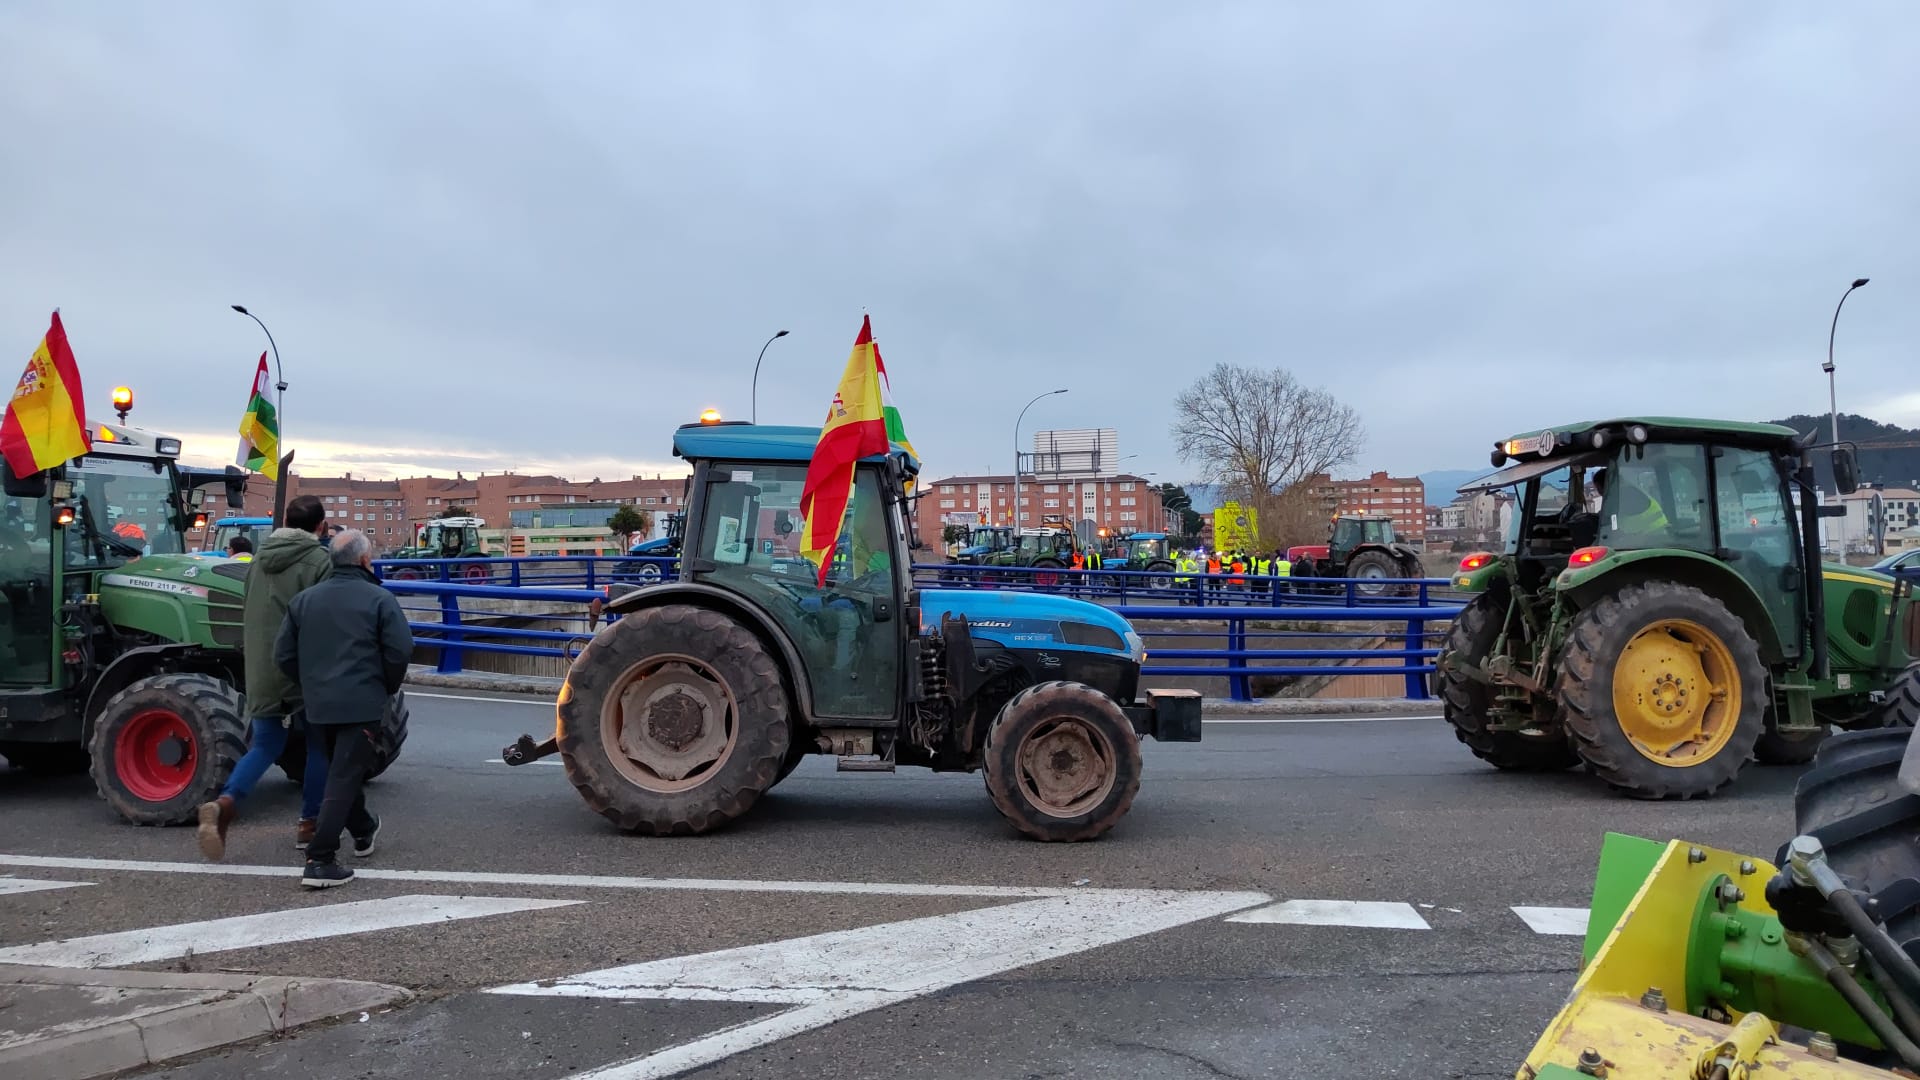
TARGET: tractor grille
(224,618)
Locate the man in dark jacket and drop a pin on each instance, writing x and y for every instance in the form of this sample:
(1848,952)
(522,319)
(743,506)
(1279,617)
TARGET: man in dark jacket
(290,561)
(345,641)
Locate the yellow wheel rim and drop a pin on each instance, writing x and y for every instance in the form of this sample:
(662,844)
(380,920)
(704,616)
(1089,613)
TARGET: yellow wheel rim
(1676,692)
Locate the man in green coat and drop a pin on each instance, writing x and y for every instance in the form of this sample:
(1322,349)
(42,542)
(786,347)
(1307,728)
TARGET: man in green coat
(289,562)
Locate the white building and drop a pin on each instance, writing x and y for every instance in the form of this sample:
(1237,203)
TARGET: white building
(1876,513)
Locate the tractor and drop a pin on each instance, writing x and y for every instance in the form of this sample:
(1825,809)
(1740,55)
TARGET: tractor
(1048,548)
(1143,551)
(983,543)
(440,540)
(658,548)
(1661,612)
(1362,548)
(710,689)
(255,529)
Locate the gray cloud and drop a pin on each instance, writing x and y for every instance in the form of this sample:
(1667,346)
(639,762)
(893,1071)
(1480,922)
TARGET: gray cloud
(496,227)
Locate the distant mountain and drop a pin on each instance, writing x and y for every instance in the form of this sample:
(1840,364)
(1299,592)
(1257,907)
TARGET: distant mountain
(1442,484)
(1892,467)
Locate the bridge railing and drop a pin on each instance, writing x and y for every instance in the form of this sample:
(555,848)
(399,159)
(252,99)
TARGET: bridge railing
(455,619)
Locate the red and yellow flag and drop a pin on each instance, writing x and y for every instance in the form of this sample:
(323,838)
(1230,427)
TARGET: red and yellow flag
(46,422)
(856,427)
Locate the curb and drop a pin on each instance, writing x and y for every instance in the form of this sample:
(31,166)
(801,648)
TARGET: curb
(204,1012)
(547,687)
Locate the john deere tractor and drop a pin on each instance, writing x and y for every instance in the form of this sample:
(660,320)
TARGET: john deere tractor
(709,690)
(1661,612)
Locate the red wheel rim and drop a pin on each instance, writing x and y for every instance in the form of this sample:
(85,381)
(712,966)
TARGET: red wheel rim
(155,754)
(1046,580)
(475,573)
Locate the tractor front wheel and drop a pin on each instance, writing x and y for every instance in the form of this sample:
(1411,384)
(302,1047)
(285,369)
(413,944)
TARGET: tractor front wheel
(165,744)
(1663,691)
(1469,702)
(1902,705)
(1062,762)
(673,721)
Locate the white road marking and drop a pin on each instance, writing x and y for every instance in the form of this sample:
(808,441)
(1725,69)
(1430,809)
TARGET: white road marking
(1371,914)
(837,975)
(582,881)
(1308,719)
(269,928)
(11,885)
(1570,921)
(542,702)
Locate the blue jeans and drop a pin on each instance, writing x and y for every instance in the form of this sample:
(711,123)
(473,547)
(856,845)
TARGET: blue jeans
(268,743)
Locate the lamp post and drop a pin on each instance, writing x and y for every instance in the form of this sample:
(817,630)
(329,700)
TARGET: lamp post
(756,375)
(1016,452)
(1833,404)
(279,418)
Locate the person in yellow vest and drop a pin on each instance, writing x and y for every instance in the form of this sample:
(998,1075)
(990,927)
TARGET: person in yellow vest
(1282,568)
(240,549)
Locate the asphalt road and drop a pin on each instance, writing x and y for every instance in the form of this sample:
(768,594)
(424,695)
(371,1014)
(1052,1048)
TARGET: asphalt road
(891,925)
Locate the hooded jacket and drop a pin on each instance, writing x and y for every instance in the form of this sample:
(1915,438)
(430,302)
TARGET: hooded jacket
(288,563)
(346,643)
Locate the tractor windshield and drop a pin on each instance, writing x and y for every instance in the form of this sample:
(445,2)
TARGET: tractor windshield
(127,508)
(990,538)
(1655,497)
(1149,550)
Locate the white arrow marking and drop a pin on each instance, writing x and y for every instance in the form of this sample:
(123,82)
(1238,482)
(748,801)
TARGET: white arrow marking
(1569,921)
(1370,914)
(269,928)
(841,974)
(12,885)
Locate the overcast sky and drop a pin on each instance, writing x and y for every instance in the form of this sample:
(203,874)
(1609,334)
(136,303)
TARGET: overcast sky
(539,236)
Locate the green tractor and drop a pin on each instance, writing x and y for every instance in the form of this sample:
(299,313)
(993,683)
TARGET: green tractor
(442,539)
(119,651)
(1661,612)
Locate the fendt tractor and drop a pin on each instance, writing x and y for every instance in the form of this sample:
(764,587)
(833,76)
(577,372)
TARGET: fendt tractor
(709,690)
(1661,612)
(1713,965)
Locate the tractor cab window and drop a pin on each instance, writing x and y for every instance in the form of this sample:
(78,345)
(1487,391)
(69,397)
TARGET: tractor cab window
(1655,497)
(125,509)
(1757,533)
(26,593)
(847,630)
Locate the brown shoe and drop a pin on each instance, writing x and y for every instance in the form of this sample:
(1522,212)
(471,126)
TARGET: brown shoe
(303,833)
(215,818)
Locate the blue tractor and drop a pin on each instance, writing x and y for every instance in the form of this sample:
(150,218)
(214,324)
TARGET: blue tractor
(710,689)
(255,529)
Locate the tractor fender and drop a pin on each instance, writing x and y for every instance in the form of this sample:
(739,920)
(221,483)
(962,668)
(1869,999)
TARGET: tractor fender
(1585,584)
(751,615)
(136,664)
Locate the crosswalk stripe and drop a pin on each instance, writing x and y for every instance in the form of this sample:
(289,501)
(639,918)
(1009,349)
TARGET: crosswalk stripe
(1569,921)
(1369,914)
(268,928)
(837,975)
(11,885)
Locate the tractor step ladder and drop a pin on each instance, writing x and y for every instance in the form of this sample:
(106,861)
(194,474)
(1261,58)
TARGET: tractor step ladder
(864,763)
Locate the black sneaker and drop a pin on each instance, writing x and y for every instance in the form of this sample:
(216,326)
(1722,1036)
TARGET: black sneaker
(363,845)
(325,875)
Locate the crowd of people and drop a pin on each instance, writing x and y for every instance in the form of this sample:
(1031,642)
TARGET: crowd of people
(326,648)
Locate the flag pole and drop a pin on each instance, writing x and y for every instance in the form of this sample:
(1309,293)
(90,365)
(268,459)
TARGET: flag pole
(279,416)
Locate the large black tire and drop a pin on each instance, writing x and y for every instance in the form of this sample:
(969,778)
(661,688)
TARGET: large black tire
(1090,747)
(1902,705)
(166,744)
(723,686)
(1868,825)
(45,759)
(796,753)
(1155,583)
(393,730)
(1381,571)
(1585,688)
(1467,703)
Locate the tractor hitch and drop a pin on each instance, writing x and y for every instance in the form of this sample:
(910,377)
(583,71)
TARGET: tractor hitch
(1167,716)
(525,750)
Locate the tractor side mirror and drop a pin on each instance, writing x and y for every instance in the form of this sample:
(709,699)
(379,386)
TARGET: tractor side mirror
(236,483)
(33,486)
(1846,472)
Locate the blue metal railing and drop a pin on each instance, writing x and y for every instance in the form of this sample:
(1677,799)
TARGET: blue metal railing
(1258,641)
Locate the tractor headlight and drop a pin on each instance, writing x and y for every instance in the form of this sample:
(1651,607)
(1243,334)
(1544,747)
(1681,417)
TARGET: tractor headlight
(1136,647)
(167,447)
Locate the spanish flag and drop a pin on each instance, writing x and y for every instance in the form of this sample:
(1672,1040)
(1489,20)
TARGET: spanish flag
(856,427)
(46,422)
(260,428)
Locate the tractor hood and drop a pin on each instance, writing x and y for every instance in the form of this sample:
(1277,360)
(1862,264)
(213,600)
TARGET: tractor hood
(186,576)
(190,599)
(1025,621)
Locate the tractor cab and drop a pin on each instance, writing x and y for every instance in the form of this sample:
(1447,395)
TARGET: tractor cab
(450,538)
(984,543)
(710,689)
(1351,532)
(254,529)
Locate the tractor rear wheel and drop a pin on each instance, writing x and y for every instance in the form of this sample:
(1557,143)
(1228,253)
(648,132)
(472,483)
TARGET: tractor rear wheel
(1468,702)
(1043,575)
(165,744)
(1062,762)
(1375,573)
(673,721)
(1662,690)
(1902,706)
(393,731)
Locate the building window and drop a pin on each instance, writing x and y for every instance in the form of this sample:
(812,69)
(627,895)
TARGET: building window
(1052,489)
(1126,487)
(1129,516)
(946,489)
(946,504)
(1050,504)
(1127,501)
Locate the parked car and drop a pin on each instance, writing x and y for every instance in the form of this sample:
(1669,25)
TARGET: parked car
(1904,564)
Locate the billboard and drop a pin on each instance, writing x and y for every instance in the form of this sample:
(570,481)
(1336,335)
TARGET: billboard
(1236,527)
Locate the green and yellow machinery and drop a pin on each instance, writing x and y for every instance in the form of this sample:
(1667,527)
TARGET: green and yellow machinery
(1703,964)
(1661,612)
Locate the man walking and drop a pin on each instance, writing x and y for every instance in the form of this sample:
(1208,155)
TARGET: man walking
(290,561)
(346,643)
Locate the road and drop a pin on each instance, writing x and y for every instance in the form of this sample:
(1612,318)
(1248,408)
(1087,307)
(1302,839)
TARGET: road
(887,925)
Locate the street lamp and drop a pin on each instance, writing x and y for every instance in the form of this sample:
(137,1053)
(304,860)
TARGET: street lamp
(1833,406)
(279,417)
(1016,452)
(756,375)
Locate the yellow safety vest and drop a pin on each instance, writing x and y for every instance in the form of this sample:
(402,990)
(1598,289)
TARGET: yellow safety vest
(1283,568)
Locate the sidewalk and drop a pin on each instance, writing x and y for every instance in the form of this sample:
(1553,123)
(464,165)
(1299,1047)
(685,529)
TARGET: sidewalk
(422,675)
(78,1023)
